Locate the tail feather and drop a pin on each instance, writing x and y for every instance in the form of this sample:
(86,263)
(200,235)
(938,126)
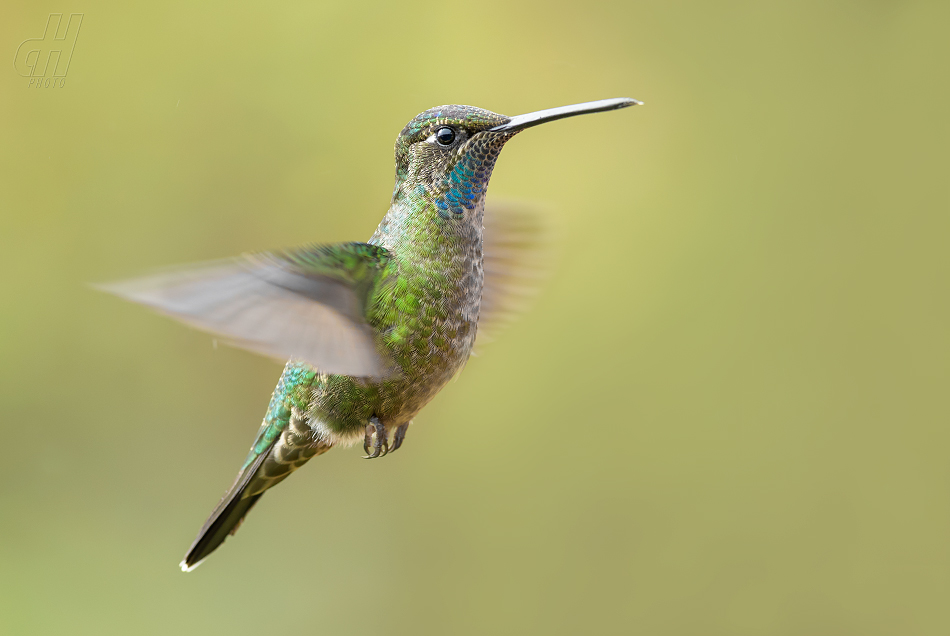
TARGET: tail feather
(225,518)
(284,443)
(269,465)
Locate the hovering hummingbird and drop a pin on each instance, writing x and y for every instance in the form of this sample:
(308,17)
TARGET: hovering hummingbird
(372,330)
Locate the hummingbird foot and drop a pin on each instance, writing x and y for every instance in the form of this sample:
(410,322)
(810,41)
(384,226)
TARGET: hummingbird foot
(399,436)
(377,437)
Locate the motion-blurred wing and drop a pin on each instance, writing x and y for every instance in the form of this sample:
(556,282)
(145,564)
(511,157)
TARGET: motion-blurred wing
(515,256)
(307,304)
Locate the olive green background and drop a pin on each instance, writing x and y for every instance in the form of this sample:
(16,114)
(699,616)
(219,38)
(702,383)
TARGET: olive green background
(726,413)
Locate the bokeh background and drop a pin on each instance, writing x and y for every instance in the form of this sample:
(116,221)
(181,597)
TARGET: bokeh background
(725,414)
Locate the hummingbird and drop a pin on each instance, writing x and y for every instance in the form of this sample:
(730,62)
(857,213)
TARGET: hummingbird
(373,330)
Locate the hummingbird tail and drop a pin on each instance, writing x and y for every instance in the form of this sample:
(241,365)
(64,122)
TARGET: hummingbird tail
(291,449)
(224,520)
(225,524)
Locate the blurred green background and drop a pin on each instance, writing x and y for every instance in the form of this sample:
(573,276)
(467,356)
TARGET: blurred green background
(726,413)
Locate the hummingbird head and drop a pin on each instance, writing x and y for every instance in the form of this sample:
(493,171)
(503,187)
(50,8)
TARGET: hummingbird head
(445,155)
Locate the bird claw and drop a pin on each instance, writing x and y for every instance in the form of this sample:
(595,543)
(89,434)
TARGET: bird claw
(377,439)
(399,436)
(375,429)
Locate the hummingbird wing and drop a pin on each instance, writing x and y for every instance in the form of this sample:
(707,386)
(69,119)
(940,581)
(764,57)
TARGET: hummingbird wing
(514,246)
(307,303)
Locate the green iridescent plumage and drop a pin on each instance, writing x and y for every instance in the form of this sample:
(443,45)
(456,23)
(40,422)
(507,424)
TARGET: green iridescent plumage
(374,330)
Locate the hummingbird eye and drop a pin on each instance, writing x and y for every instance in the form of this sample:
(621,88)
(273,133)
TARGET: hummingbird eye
(445,136)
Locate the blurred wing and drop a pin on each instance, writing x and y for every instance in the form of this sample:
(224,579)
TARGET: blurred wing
(307,304)
(515,257)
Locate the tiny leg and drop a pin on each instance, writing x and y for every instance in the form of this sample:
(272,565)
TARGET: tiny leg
(399,436)
(375,429)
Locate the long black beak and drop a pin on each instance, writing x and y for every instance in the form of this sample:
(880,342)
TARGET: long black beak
(520,122)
